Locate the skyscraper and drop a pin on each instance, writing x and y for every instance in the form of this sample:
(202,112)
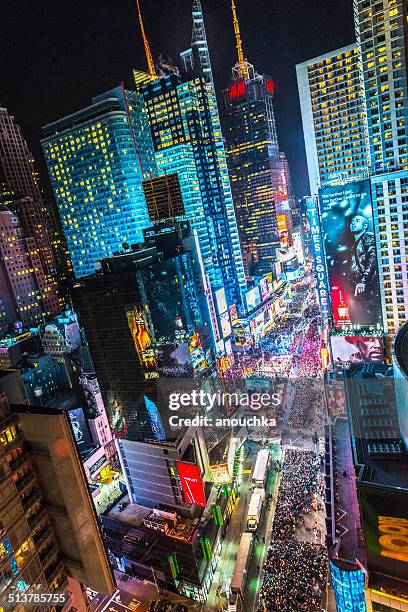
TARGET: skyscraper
(382,36)
(48,525)
(187,139)
(26,293)
(332,102)
(259,175)
(146,316)
(97,159)
(19,188)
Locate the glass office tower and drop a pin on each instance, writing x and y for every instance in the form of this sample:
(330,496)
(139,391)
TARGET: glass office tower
(97,159)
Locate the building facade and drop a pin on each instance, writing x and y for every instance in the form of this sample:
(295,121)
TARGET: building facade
(20,192)
(97,159)
(381,31)
(331,93)
(146,316)
(253,153)
(187,141)
(27,293)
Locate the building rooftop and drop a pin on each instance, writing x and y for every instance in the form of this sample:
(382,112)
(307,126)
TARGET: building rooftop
(167,522)
(377,442)
(349,537)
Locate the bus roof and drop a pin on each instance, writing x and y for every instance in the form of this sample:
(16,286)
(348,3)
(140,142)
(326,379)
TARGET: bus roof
(241,562)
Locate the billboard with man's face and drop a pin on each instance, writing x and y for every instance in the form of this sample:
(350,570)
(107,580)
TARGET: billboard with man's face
(357,349)
(348,236)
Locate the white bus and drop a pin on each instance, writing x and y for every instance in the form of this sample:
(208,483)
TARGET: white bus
(239,578)
(260,473)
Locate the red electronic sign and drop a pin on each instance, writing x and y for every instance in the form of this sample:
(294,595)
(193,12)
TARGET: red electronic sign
(237,90)
(191,484)
(270,86)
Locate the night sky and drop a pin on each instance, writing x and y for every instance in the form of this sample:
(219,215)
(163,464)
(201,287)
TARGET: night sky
(55,55)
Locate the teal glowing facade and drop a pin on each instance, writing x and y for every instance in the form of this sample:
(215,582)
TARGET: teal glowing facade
(188,140)
(97,159)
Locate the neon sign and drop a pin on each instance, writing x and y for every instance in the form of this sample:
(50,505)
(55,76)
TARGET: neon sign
(237,90)
(270,86)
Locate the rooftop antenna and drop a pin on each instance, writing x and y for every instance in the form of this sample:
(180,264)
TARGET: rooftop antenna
(241,66)
(150,64)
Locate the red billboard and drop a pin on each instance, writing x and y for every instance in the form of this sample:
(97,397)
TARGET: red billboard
(191,484)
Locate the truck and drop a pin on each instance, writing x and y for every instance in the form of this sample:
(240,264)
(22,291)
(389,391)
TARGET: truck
(255,509)
(236,602)
(260,473)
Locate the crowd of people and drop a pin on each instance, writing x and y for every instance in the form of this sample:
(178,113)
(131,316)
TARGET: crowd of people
(294,571)
(295,574)
(298,483)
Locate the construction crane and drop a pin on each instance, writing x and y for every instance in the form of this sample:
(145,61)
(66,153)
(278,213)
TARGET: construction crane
(241,59)
(150,64)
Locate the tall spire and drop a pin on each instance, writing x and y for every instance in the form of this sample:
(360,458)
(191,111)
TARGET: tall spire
(241,67)
(199,40)
(150,64)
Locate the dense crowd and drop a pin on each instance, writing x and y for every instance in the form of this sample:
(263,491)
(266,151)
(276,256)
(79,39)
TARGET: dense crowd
(294,571)
(298,483)
(295,574)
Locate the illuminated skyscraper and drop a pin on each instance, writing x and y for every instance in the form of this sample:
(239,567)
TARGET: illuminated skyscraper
(185,125)
(26,294)
(334,117)
(97,159)
(259,173)
(252,151)
(381,30)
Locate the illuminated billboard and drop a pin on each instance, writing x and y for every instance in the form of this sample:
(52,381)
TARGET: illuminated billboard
(221,301)
(348,587)
(264,287)
(351,260)
(385,522)
(225,325)
(233,314)
(253,298)
(80,429)
(357,349)
(191,484)
(222,473)
(283,230)
(318,257)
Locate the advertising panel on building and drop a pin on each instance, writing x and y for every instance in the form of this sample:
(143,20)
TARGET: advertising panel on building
(191,483)
(348,587)
(252,298)
(221,301)
(80,429)
(225,325)
(357,349)
(385,522)
(351,259)
(318,257)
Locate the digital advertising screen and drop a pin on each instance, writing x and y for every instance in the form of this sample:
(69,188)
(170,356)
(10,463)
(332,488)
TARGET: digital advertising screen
(351,260)
(80,429)
(253,298)
(357,349)
(221,301)
(191,483)
(385,524)
(225,325)
(233,314)
(264,286)
(348,587)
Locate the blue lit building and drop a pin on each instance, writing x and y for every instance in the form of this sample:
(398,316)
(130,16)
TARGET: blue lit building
(97,159)
(187,139)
